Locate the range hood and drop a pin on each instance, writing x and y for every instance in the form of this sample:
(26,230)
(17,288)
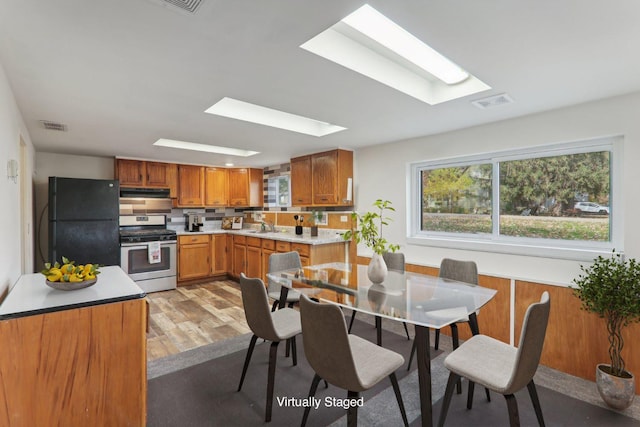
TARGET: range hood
(145,193)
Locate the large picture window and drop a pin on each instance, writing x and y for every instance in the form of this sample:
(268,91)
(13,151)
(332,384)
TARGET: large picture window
(553,197)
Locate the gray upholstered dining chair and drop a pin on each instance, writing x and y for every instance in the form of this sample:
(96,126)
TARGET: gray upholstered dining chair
(346,361)
(499,366)
(394,262)
(461,271)
(272,326)
(279,262)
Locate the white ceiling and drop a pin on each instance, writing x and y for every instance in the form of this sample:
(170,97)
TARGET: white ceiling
(123,73)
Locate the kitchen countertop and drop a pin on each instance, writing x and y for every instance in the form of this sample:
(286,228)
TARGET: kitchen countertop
(32,296)
(323,239)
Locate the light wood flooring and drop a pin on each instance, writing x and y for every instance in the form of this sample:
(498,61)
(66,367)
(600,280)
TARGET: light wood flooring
(193,316)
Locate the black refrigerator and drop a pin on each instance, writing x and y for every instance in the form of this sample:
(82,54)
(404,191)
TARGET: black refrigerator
(83,220)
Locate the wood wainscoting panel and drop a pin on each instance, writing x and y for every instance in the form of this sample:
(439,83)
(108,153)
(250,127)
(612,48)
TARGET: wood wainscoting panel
(76,367)
(576,340)
(493,318)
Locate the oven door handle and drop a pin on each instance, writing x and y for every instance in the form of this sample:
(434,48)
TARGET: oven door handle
(145,245)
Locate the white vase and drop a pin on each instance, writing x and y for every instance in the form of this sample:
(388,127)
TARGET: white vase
(377,270)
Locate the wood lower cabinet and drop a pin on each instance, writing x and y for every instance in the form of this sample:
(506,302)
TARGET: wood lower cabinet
(253,267)
(203,256)
(75,367)
(190,186)
(239,255)
(219,254)
(193,257)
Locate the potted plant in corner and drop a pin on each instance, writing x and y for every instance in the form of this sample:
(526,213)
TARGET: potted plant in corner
(369,231)
(610,287)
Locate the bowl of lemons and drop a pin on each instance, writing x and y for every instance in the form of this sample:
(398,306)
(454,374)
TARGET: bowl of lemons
(68,276)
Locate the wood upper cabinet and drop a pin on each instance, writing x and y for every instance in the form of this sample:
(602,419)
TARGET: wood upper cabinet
(331,171)
(130,173)
(301,181)
(245,187)
(190,185)
(321,179)
(138,173)
(216,187)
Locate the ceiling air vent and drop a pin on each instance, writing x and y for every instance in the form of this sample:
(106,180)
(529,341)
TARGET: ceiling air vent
(49,125)
(188,6)
(493,101)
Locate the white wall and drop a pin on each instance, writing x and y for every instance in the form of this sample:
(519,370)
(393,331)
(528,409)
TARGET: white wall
(63,165)
(12,128)
(381,173)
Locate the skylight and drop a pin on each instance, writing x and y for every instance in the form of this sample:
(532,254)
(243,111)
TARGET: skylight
(371,44)
(240,110)
(184,145)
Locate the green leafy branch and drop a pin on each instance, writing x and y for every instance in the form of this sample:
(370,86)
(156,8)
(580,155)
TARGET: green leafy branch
(369,228)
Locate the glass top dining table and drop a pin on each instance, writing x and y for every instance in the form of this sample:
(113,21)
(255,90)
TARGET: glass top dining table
(418,299)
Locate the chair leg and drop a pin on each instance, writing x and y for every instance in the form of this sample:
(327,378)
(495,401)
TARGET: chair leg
(353,317)
(470,394)
(273,354)
(379,330)
(396,390)
(413,351)
(512,406)
(437,343)
(294,352)
(287,349)
(446,400)
(312,392)
(533,393)
(275,305)
(352,412)
(406,330)
(252,344)
(456,343)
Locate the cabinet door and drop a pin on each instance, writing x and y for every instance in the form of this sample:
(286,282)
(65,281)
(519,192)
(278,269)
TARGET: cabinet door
(254,262)
(130,173)
(239,258)
(301,181)
(256,187)
(219,254)
(190,185)
(216,183)
(239,187)
(193,261)
(325,167)
(158,174)
(266,253)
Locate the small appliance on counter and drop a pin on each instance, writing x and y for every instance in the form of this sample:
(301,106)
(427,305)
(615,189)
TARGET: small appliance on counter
(193,222)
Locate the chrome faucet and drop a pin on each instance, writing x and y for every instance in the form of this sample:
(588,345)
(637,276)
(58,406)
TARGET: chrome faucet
(272,227)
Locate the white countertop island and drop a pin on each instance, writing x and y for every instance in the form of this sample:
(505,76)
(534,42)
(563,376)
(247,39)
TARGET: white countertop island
(32,296)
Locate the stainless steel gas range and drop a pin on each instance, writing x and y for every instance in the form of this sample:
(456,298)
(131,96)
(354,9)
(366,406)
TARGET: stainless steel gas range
(148,251)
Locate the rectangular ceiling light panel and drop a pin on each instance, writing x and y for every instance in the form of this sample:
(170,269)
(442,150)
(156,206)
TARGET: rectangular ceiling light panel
(240,110)
(184,145)
(371,44)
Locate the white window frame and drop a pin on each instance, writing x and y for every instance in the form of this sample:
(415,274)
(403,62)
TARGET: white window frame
(276,180)
(494,242)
